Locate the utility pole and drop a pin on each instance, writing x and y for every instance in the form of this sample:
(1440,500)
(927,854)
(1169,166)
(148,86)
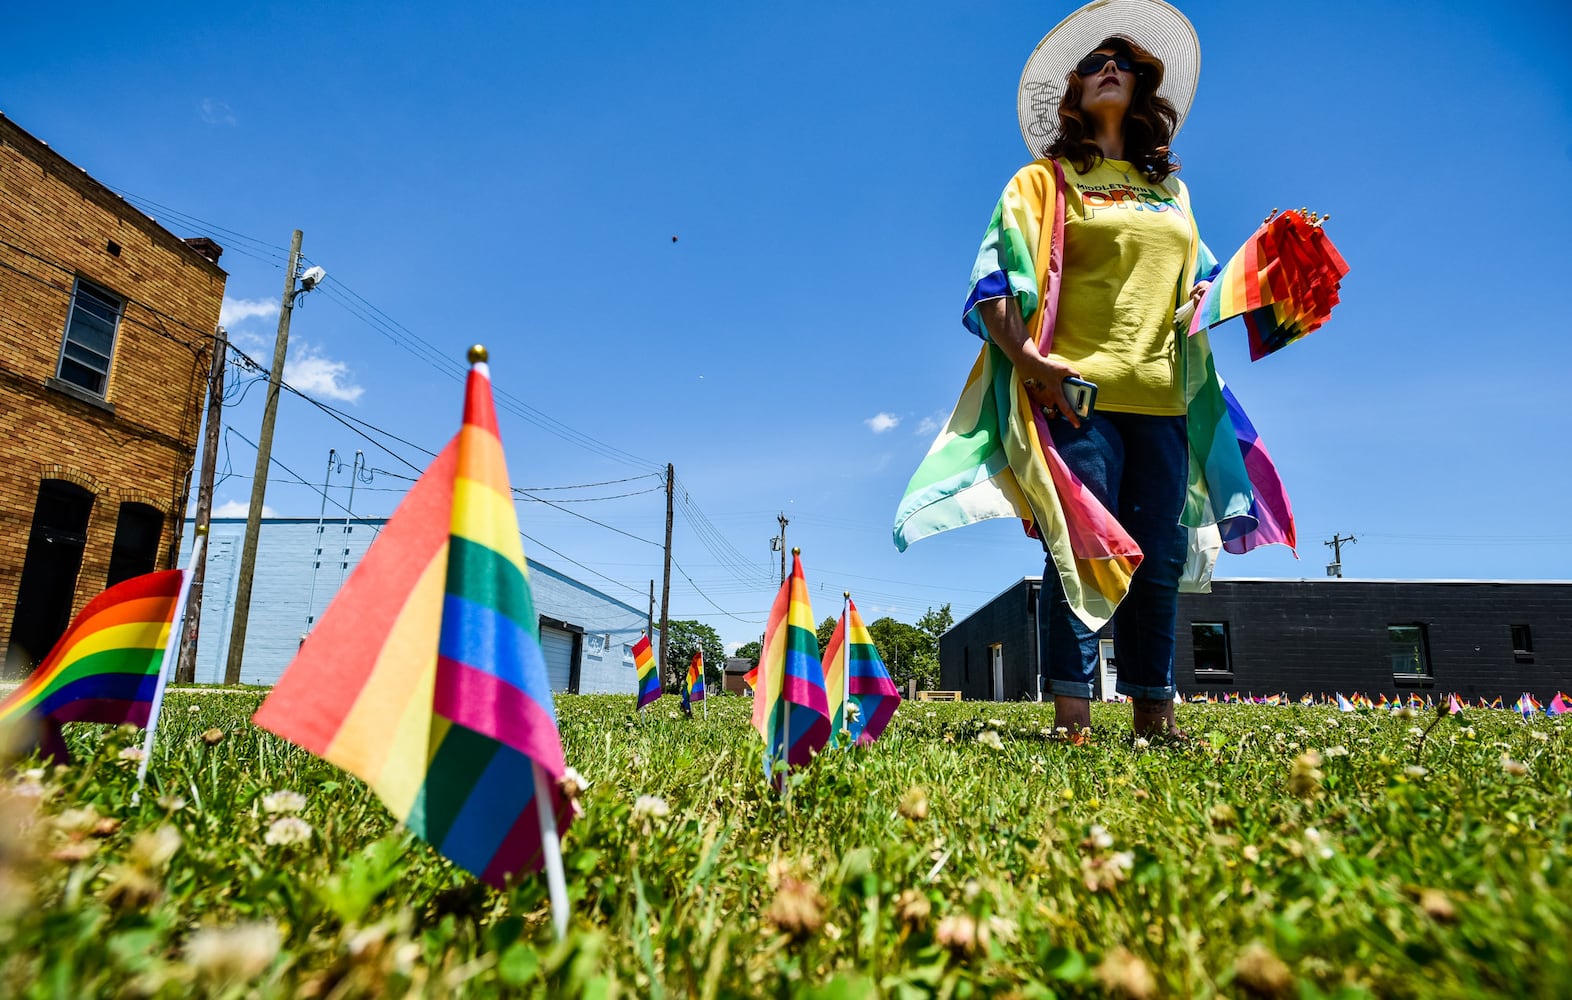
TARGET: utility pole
(649,620)
(665,587)
(185,668)
(781,517)
(248,550)
(1336,545)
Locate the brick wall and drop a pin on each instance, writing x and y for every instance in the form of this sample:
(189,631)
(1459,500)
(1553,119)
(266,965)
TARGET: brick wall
(138,442)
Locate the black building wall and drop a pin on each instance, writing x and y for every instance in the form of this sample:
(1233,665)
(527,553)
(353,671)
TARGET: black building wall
(1314,636)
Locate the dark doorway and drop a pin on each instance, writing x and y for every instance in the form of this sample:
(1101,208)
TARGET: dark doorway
(54,557)
(136,542)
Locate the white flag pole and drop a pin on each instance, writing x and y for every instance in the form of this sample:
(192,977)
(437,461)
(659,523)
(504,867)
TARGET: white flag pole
(171,647)
(551,851)
(706,685)
(845,662)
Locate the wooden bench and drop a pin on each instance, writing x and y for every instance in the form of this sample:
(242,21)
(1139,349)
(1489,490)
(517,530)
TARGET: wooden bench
(938,696)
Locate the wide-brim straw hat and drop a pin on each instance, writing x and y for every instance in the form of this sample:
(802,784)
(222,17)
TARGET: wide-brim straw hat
(1157,27)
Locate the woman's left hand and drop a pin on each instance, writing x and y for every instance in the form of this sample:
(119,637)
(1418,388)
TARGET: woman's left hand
(1199,290)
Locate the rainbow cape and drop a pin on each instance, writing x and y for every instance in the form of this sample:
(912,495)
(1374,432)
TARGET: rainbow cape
(790,707)
(105,668)
(862,698)
(696,677)
(995,456)
(649,673)
(425,676)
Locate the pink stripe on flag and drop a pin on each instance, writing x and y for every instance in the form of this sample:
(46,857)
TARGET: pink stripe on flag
(492,707)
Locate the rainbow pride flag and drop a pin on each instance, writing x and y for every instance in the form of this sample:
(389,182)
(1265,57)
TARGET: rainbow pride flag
(106,667)
(1454,704)
(862,697)
(790,707)
(696,677)
(649,673)
(425,676)
(1559,705)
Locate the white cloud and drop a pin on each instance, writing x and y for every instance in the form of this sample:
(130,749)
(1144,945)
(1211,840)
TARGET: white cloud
(316,374)
(244,340)
(236,508)
(931,424)
(881,422)
(239,310)
(216,112)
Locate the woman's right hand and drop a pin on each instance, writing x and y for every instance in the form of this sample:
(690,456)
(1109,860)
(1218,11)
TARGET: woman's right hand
(1044,382)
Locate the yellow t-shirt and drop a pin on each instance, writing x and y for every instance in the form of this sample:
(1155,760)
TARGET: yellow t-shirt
(1125,243)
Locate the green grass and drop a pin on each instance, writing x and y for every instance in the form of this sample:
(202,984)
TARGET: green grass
(932,864)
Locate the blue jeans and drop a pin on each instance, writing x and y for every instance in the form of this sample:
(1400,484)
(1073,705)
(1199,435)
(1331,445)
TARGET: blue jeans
(1138,467)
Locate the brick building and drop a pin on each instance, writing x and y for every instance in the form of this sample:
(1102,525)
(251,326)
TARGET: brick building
(1478,638)
(106,328)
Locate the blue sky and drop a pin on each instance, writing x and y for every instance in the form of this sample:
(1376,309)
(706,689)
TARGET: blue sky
(514,174)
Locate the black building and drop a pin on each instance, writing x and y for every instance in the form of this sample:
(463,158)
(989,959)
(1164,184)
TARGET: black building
(1473,637)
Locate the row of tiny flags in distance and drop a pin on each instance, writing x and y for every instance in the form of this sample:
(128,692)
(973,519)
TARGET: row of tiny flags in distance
(802,702)
(1527,705)
(426,679)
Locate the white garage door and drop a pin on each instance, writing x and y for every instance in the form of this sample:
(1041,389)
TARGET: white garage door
(558,647)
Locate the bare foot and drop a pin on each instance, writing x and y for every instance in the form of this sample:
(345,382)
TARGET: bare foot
(1073,714)
(1154,718)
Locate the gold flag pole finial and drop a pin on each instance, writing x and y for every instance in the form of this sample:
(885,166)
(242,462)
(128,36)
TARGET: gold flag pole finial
(478,354)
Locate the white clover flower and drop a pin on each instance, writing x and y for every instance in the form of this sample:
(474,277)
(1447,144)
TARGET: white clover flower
(194,709)
(650,807)
(1337,751)
(989,738)
(135,754)
(283,802)
(1142,743)
(1515,768)
(288,831)
(996,723)
(1318,842)
(1099,838)
(574,784)
(1540,735)
(1415,731)
(234,954)
(1415,771)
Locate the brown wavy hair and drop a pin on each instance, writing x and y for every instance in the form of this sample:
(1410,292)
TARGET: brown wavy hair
(1148,124)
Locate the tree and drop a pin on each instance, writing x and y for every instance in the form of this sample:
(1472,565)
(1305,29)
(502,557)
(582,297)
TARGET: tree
(750,651)
(825,630)
(907,651)
(683,639)
(936,623)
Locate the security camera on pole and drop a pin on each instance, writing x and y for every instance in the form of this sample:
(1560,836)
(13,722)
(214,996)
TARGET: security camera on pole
(248,551)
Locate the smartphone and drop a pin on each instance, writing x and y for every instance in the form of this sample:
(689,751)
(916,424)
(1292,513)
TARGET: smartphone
(1082,396)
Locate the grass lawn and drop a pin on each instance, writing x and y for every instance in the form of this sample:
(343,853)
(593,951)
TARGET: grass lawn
(1288,852)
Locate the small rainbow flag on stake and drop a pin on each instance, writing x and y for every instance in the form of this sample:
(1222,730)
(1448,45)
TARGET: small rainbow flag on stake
(695,686)
(649,674)
(1454,705)
(425,676)
(110,665)
(1559,705)
(862,698)
(790,707)
(1343,704)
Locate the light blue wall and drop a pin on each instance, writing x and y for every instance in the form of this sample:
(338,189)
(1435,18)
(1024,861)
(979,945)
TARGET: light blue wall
(289,585)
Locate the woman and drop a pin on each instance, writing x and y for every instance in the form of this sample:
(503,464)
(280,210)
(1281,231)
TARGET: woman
(1130,256)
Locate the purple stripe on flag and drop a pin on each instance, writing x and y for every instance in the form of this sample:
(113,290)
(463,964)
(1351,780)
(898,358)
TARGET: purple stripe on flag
(498,798)
(1270,505)
(520,849)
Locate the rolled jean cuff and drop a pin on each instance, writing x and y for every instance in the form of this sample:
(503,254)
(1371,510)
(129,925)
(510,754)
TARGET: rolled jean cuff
(1145,693)
(1071,689)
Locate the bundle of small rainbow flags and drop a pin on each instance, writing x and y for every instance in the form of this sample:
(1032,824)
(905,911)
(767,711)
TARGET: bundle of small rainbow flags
(1284,281)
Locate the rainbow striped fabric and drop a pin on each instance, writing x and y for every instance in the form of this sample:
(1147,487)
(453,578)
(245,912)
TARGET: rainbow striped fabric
(649,674)
(105,668)
(995,456)
(862,698)
(695,685)
(790,708)
(425,676)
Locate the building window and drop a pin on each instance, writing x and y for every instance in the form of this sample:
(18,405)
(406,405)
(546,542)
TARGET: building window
(1408,650)
(135,550)
(1209,643)
(90,338)
(1522,644)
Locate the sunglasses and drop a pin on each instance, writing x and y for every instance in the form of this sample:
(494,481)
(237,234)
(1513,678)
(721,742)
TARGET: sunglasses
(1097,60)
